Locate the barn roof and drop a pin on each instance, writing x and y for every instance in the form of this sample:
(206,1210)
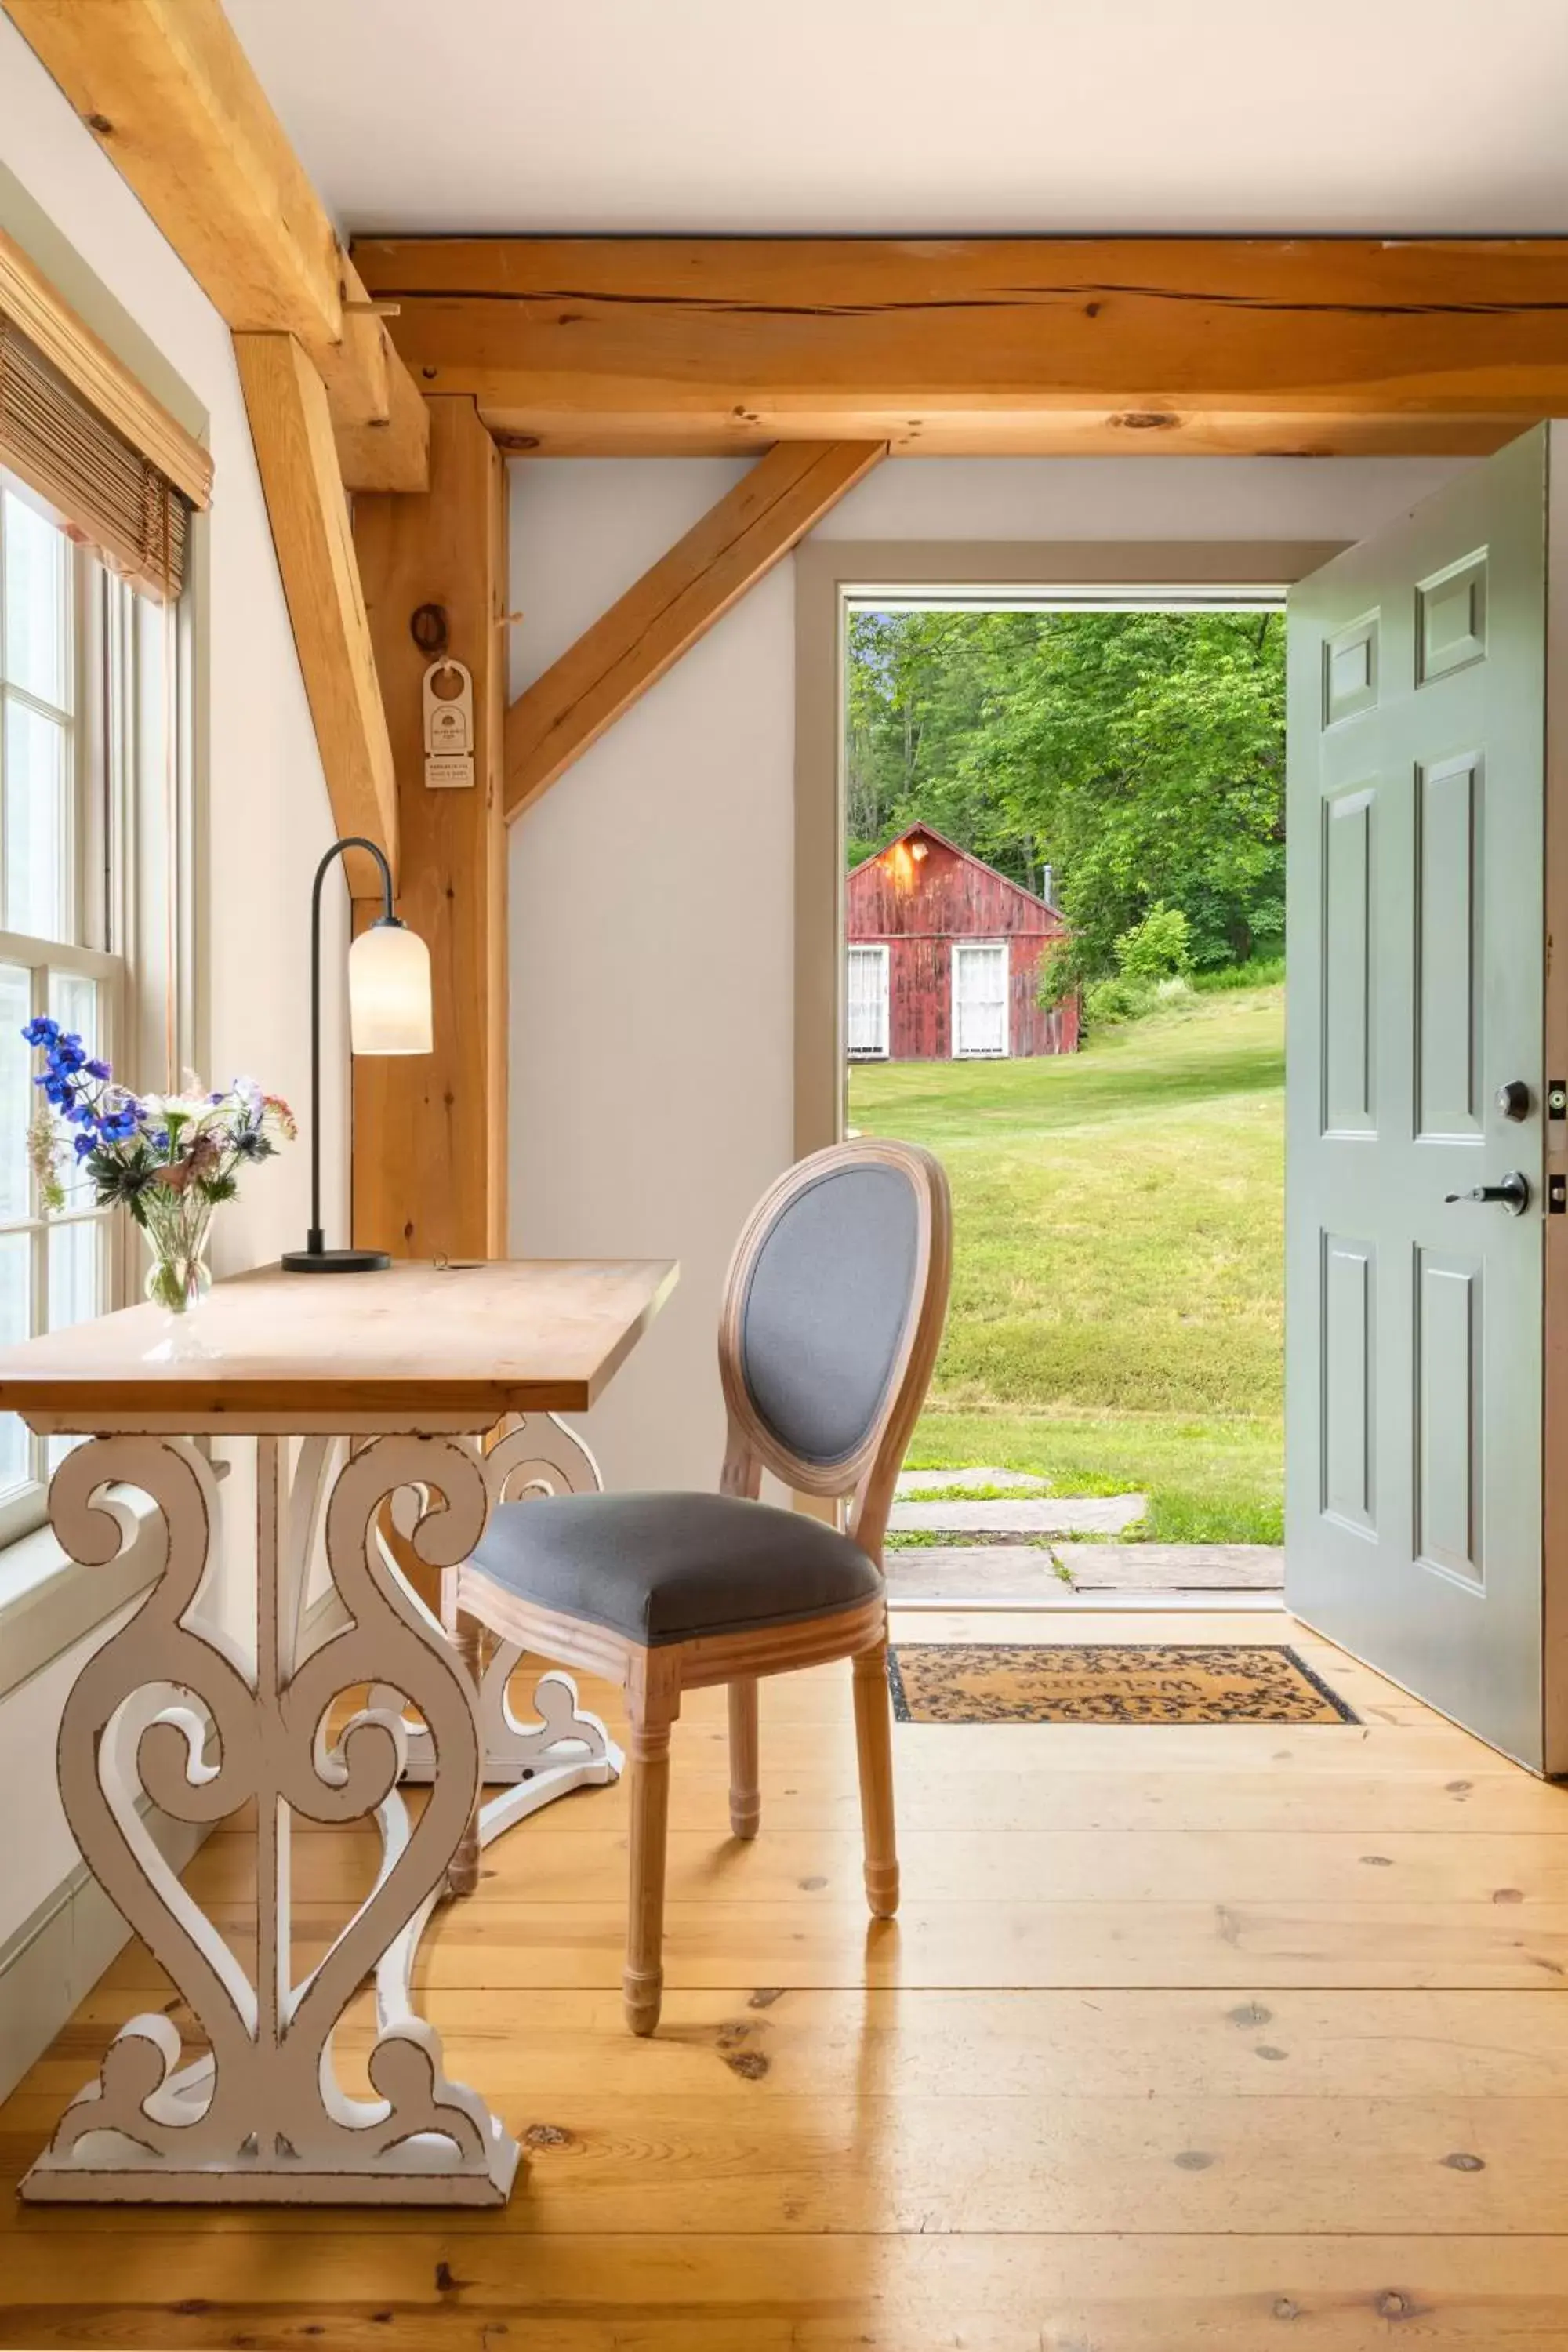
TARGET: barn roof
(968,856)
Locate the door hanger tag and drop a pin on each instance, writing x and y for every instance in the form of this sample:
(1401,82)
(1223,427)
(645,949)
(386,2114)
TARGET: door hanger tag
(448,730)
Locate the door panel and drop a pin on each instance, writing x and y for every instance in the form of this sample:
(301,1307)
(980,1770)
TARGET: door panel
(1349,1309)
(1348,1043)
(1417,980)
(1449,974)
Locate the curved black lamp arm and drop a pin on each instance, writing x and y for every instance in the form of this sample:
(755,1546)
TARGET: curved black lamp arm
(315,1243)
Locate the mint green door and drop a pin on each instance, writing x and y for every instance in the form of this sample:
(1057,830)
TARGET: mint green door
(1413,1350)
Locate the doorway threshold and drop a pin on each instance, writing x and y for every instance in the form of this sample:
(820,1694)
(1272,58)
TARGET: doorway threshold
(1095,1602)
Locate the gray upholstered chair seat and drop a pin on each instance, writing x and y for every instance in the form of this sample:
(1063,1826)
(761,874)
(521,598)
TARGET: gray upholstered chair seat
(669,1568)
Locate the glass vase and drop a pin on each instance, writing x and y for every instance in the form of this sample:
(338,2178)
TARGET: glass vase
(176,1228)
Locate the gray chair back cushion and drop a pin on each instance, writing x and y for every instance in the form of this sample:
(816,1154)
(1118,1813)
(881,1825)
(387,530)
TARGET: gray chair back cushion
(830,1294)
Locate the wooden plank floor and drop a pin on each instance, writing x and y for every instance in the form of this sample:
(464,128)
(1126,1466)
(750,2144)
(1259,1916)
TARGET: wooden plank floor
(1186,2041)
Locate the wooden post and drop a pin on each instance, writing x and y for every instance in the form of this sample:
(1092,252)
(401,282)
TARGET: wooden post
(429,1143)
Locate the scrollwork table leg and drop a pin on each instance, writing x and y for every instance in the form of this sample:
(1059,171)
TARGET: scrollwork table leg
(259,2116)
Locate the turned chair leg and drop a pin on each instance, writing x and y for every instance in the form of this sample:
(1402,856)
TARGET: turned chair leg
(745,1794)
(467,1637)
(642,1985)
(874,1748)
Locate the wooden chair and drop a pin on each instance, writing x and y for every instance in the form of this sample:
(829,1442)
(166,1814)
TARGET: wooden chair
(832,1315)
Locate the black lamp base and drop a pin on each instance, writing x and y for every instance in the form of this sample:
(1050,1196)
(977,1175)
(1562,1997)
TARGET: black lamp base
(335,1261)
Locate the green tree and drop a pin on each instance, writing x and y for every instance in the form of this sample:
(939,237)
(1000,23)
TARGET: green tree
(1159,948)
(915,699)
(1141,755)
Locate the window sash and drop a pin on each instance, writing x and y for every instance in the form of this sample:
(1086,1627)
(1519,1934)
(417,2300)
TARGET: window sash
(91,698)
(23,1508)
(980,991)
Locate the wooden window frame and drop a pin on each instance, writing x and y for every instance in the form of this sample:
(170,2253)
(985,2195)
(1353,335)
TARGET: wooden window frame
(99,719)
(957,947)
(131,850)
(881,949)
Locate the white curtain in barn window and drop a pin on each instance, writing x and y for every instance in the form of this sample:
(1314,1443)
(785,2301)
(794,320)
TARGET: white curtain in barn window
(979,998)
(866,1003)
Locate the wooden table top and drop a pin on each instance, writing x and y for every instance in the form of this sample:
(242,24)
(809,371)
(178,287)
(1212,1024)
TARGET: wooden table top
(478,1340)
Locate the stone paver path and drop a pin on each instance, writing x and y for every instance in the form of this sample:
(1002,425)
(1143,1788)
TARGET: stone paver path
(917,1482)
(1042,1515)
(960,1572)
(1012,1561)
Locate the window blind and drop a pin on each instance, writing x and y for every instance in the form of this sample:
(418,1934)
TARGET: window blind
(83,431)
(105,491)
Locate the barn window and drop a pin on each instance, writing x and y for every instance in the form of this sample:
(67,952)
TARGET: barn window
(867,998)
(979,998)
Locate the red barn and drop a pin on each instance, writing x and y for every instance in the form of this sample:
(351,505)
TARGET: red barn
(944,958)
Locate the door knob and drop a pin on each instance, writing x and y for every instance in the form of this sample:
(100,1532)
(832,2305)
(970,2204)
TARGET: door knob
(1512,1193)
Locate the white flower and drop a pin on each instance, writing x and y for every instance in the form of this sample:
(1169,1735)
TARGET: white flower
(183,1106)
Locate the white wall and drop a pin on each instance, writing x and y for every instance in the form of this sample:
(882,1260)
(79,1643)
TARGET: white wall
(267,818)
(651,889)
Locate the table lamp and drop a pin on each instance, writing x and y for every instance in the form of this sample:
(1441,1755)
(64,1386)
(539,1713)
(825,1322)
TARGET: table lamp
(389,1012)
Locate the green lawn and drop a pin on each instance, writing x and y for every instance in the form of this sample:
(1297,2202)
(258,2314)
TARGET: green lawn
(1116,1312)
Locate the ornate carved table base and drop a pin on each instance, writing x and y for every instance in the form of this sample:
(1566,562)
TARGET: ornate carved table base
(564,1749)
(260,2116)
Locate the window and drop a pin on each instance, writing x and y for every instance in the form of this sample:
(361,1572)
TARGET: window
(867,1003)
(71,639)
(979,998)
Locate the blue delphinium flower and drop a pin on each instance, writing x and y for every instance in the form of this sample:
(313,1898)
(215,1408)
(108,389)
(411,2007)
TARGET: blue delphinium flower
(165,1159)
(118,1126)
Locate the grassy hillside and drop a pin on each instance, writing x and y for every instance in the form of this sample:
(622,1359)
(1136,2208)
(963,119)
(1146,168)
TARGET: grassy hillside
(1117,1311)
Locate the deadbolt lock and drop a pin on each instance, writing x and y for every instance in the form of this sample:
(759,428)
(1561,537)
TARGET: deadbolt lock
(1513,1099)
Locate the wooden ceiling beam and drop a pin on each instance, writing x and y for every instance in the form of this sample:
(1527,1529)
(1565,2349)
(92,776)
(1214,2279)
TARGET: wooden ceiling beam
(986,345)
(676,602)
(430,1130)
(167,91)
(286,405)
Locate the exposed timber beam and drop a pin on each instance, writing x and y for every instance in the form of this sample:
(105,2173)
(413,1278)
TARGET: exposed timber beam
(430,1130)
(169,94)
(998,345)
(674,603)
(285,404)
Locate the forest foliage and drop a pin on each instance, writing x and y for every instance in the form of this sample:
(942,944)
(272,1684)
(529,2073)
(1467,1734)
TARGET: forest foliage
(1139,755)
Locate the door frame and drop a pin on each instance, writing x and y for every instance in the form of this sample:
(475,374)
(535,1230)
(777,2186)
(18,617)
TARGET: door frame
(957,947)
(830,573)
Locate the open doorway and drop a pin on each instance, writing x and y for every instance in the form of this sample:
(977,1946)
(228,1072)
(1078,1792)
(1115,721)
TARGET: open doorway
(1063,945)
(1426,1104)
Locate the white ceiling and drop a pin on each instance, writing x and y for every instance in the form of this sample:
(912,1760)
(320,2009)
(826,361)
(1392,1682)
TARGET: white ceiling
(922,116)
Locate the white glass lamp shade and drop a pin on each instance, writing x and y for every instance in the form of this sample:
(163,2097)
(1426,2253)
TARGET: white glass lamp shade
(389,991)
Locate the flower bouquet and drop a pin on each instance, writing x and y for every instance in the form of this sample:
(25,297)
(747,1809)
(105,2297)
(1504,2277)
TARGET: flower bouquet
(170,1159)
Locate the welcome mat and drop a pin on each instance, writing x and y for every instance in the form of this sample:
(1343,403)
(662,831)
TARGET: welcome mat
(1064,1681)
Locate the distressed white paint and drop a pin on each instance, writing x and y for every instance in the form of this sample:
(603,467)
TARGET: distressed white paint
(564,1748)
(262,2117)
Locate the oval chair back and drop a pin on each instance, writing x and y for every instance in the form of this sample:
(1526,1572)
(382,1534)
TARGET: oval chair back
(833,1314)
